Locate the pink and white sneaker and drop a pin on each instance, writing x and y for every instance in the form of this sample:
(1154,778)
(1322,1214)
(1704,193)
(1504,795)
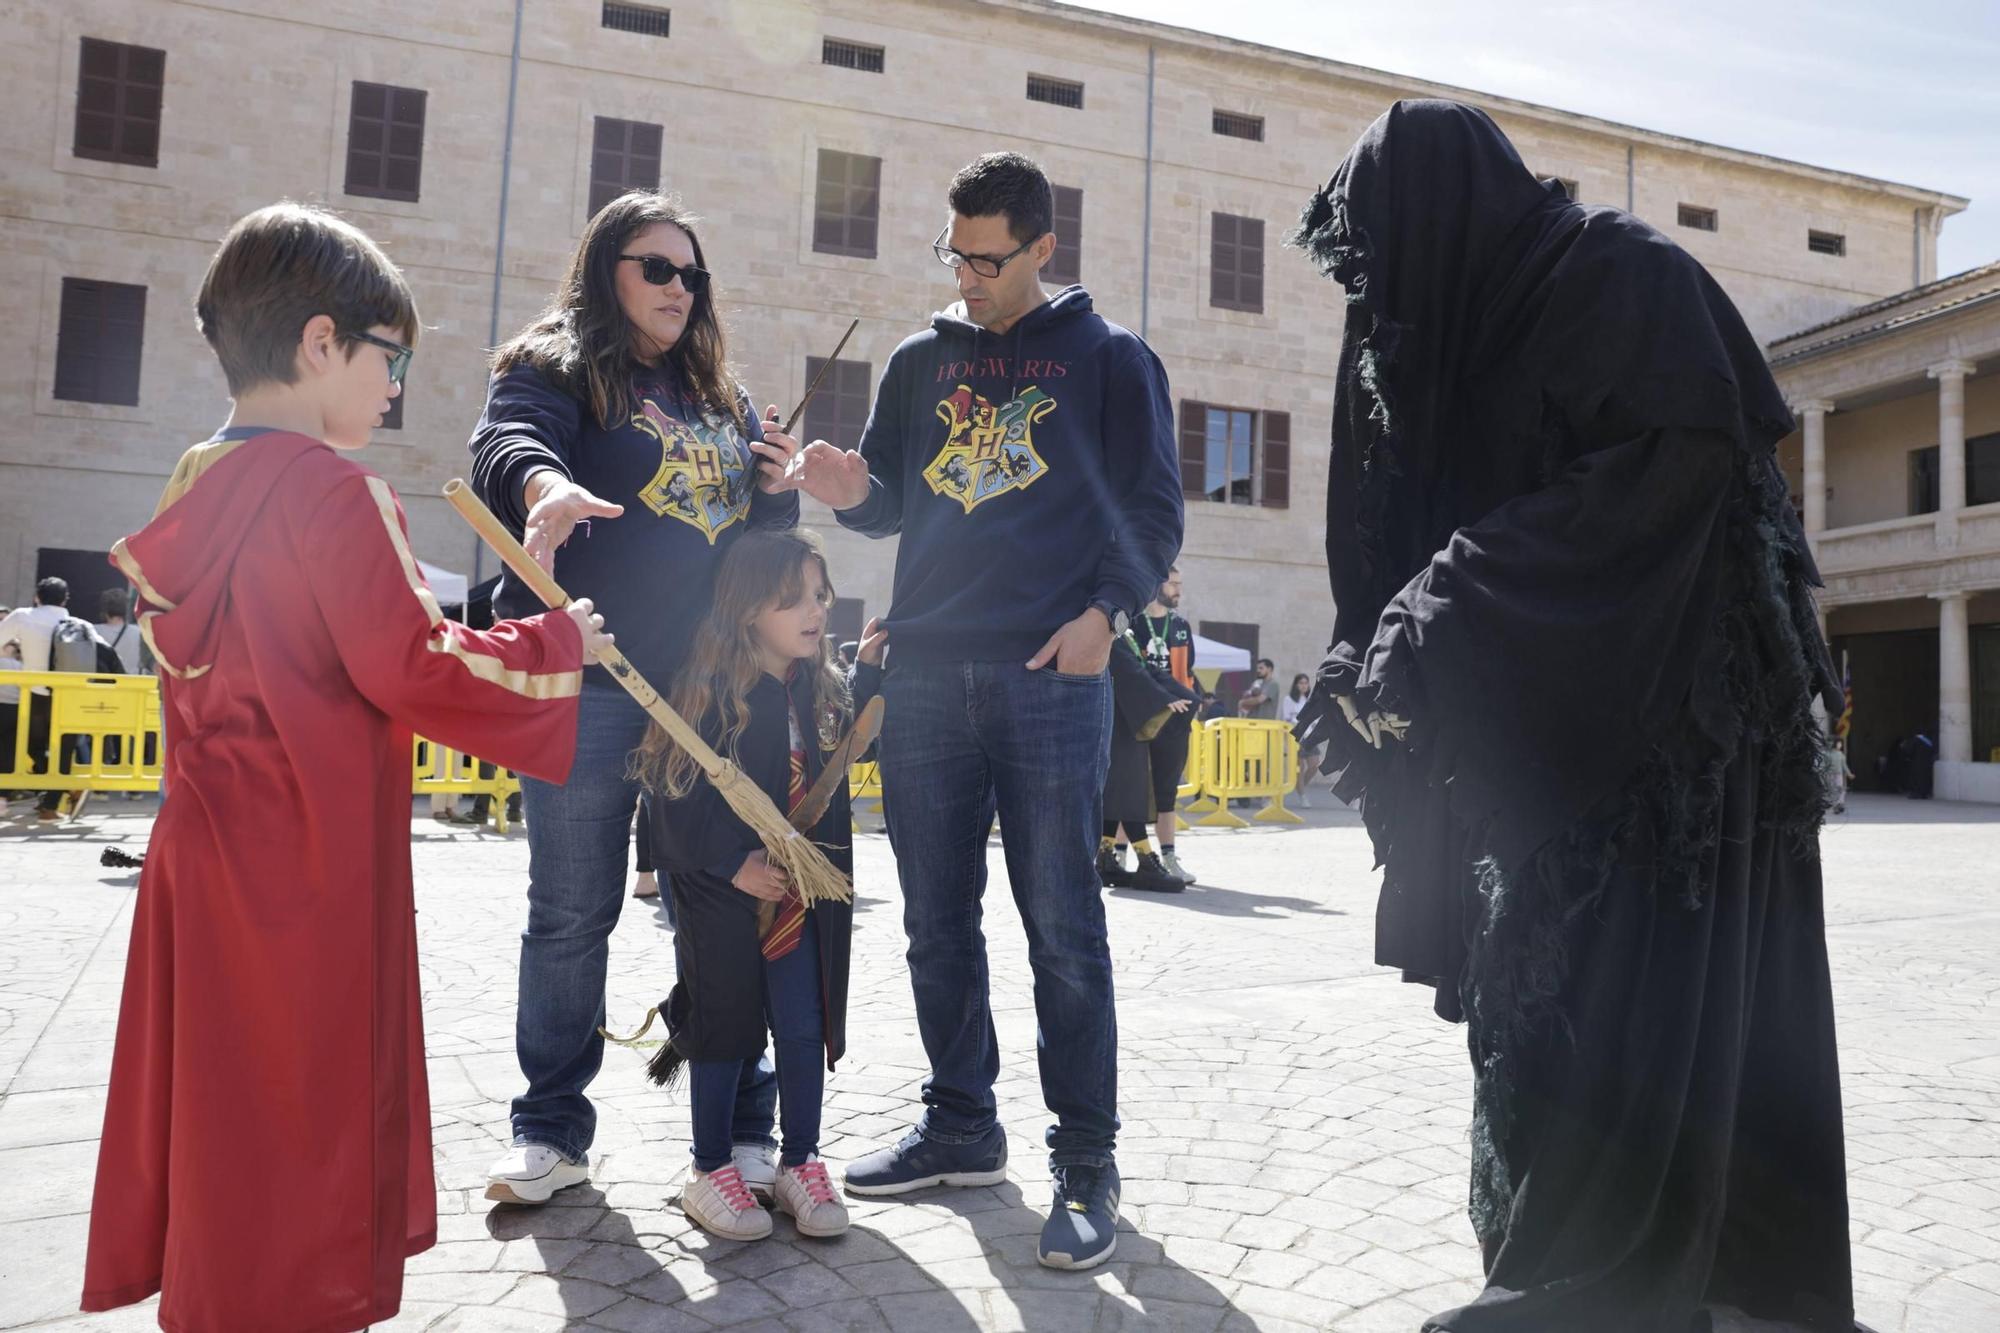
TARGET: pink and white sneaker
(805,1192)
(720,1203)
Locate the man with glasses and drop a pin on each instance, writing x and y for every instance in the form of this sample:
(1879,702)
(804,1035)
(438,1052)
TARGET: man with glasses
(1023,447)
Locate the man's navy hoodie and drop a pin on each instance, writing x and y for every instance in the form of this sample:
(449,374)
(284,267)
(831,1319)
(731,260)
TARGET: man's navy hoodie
(1029,473)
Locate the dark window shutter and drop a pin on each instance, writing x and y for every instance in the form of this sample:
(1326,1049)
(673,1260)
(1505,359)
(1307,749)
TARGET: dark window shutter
(1194,448)
(1250,263)
(385,142)
(118,92)
(100,335)
(1277,460)
(1065,266)
(393,418)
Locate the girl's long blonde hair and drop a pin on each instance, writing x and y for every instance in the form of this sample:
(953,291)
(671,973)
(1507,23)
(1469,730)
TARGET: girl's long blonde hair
(765,568)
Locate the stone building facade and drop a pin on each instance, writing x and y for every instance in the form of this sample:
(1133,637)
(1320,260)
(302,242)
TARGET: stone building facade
(1182,154)
(1897,466)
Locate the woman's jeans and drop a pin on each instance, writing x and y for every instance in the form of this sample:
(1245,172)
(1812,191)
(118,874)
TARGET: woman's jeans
(579,835)
(794,1013)
(961,742)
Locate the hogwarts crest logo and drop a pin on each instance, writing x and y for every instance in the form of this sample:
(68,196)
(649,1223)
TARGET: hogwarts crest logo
(704,476)
(988,451)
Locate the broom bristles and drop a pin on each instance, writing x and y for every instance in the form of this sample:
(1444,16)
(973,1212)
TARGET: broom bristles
(666,1065)
(815,877)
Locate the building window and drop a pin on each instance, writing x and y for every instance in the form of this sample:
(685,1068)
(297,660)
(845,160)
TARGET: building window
(1056,92)
(1826,242)
(839,409)
(624,155)
(1066,264)
(118,103)
(99,336)
(1699,219)
(1232,455)
(1982,474)
(1236,125)
(847,204)
(851,55)
(1236,262)
(385,142)
(393,418)
(646,20)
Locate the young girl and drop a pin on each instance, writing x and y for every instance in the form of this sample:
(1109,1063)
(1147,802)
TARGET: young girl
(762,687)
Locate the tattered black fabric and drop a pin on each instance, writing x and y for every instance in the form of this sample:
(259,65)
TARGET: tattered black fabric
(1560,545)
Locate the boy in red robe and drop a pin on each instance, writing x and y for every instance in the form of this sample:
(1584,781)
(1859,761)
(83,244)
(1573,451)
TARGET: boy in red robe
(266,1160)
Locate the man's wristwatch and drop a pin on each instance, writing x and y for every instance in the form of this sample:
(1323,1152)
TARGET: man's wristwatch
(1120,622)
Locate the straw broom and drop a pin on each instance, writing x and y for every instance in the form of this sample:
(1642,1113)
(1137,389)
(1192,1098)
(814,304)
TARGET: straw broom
(812,876)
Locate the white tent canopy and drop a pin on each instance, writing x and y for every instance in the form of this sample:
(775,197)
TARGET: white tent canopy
(1212,656)
(447,587)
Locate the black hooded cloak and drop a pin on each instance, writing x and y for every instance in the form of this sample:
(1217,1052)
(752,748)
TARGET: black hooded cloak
(1560,545)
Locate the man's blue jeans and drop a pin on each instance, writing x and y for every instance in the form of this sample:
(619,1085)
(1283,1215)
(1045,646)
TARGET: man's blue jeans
(579,835)
(961,741)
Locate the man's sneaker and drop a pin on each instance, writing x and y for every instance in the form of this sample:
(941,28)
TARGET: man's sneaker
(1173,863)
(721,1204)
(917,1163)
(807,1195)
(530,1173)
(757,1163)
(1082,1229)
(1111,871)
(1154,877)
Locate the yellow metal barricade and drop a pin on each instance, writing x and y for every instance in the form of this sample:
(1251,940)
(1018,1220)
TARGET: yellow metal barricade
(864,783)
(1248,759)
(103,732)
(437,770)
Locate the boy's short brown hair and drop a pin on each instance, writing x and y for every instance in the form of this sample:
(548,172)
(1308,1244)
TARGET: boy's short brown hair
(276,269)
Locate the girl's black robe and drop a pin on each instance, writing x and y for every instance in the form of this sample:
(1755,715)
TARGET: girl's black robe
(1560,546)
(716,1008)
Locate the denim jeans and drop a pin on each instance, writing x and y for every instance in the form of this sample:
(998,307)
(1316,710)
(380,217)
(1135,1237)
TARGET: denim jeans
(961,741)
(579,835)
(794,1011)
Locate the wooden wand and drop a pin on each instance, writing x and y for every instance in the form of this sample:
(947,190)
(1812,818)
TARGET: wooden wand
(824,366)
(811,874)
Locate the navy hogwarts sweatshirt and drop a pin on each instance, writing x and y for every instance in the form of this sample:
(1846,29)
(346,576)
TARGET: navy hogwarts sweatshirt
(1029,474)
(688,485)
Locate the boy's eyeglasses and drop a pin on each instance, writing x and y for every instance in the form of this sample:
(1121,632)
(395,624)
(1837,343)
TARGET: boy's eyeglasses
(660,272)
(399,355)
(986,266)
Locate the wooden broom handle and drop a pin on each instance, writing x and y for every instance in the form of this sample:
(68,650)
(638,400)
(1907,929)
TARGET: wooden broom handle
(516,557)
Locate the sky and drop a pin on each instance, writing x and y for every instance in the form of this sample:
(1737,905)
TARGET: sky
(1904,90)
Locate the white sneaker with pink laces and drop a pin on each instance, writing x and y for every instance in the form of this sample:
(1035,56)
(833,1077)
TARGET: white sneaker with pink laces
(805,1192)
(720,1203)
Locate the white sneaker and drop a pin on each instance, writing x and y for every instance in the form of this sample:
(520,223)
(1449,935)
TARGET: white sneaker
(720,1203)
(805,1192)
(758,1165)
(530,1173)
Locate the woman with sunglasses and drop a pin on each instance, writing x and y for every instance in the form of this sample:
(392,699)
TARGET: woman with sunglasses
(614,440)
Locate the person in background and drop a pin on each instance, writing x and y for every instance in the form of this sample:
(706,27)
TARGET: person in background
(1260,697)
(1288,713)
(117,631)
(1166,641)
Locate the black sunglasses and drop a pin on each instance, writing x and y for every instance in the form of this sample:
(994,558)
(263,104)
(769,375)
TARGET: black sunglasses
(399,355)
(660,272)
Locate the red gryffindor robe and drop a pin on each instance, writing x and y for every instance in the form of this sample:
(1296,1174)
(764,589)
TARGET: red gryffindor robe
(266,1160)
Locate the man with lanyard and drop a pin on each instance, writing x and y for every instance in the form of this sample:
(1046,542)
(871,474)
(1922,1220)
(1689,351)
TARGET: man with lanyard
(1024,449)
(1166,642)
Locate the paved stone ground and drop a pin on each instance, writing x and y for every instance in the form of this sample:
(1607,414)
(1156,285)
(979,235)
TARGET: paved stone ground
(1294,1143)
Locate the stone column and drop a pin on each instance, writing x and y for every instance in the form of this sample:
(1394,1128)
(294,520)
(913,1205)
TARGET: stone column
(1812,482)
(1954,736)
(1950,376)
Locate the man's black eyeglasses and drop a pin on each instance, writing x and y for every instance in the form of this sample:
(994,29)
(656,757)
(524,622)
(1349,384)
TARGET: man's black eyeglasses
(986,266)
(660,272)
(399,355)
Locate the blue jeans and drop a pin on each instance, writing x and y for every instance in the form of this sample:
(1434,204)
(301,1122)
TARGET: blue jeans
(579,834)
(961,741)
(793,1010)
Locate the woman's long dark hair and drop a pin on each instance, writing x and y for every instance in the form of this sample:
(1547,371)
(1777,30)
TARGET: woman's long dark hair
(583,341)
